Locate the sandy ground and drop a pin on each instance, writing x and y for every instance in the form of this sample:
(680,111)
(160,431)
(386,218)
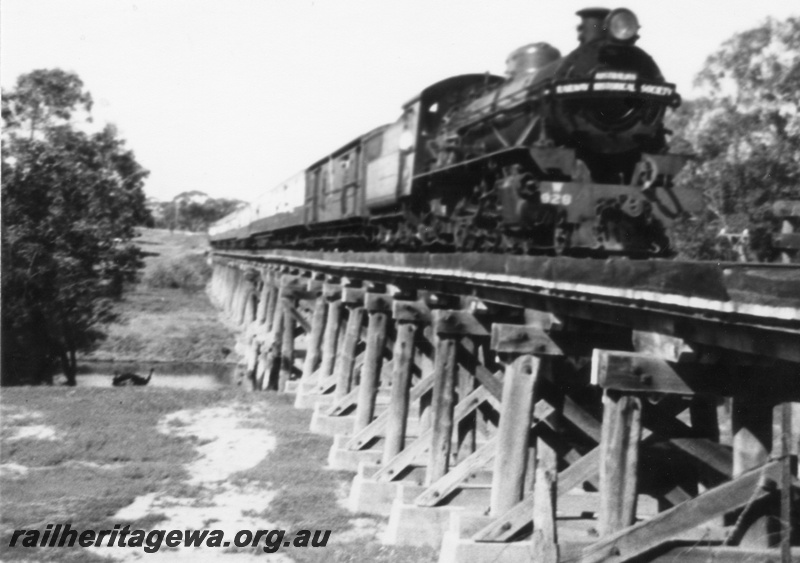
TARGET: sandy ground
(20,430)
(225,447)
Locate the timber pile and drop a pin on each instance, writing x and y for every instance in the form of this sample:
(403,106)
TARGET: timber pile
(562,418)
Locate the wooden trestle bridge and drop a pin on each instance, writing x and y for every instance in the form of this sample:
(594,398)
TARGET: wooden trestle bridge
(541,409)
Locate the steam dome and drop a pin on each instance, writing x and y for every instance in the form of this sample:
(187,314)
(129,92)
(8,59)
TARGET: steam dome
(530,58)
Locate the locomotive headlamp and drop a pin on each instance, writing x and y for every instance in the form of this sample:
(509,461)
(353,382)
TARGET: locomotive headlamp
(622,25)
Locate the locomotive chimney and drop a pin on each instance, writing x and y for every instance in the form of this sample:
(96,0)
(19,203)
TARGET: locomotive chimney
(591,26)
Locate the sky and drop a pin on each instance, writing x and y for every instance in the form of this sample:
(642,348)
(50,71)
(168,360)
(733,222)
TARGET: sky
(230,97)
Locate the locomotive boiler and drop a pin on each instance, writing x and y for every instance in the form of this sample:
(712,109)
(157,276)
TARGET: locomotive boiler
(563,155)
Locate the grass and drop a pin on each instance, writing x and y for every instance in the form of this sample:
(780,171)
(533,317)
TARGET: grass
(163,246)
(189,273)
(107,452)
(308,492)
(167,317)
(165,325)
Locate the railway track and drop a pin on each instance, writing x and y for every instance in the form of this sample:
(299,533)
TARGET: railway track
(503,408)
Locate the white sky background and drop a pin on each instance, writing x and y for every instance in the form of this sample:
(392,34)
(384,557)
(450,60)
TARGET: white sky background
(232,96)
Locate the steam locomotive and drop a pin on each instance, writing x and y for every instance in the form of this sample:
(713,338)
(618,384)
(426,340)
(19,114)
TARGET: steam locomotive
(564,155)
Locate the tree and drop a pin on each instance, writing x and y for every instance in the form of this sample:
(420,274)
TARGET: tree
(44,99)
(745,132)
(186,213)
(70,201)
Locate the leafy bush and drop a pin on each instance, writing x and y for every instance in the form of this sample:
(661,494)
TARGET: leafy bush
(745,135)
(70,202)
(190,273)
